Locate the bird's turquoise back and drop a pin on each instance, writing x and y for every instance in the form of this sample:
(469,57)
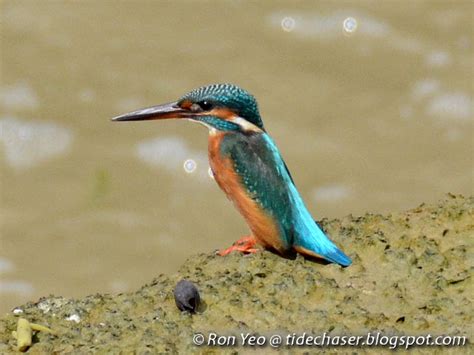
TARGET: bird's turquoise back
(267,181)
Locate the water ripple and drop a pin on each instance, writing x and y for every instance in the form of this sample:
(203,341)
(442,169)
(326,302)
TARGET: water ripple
(27,144)
(329,25)
(18,96)
(172,154)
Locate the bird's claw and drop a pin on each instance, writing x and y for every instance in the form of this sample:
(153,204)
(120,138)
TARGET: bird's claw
(244,245)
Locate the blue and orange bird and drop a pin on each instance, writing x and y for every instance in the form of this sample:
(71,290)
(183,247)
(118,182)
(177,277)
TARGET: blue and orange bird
(250,170)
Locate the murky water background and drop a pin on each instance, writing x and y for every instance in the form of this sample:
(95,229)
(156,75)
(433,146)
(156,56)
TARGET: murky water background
(378,119)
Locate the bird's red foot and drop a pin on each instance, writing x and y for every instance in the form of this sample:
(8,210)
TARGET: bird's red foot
(244,245)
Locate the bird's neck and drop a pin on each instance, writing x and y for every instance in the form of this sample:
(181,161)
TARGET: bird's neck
(231,123)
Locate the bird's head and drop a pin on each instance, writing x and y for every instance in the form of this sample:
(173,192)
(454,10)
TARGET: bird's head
(221,107)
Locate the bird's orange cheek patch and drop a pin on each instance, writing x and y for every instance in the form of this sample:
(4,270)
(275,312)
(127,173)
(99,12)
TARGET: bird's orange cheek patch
(222,113)
(186,104)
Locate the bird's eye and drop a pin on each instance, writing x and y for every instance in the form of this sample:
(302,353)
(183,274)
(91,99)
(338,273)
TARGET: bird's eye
(205,105)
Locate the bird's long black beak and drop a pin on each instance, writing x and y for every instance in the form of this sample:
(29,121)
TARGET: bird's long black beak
(159,112)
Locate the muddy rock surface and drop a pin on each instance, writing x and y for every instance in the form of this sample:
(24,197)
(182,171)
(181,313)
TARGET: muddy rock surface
(411,274)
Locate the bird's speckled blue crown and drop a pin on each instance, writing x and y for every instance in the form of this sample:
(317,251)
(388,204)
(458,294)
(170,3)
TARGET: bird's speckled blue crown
(229,96)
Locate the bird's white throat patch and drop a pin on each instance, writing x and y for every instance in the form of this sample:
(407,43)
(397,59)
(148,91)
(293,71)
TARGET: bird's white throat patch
(246,125)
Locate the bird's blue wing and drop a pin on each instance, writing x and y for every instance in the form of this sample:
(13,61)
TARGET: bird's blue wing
(268,181)
(262,178)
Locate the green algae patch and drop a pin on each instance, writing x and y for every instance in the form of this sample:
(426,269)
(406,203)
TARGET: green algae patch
(411,274)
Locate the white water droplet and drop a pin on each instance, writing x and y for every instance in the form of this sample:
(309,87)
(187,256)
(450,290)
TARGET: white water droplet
(190,166)
(349,25)
(288,24)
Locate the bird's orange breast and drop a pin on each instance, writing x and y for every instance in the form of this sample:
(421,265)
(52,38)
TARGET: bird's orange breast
(262,225)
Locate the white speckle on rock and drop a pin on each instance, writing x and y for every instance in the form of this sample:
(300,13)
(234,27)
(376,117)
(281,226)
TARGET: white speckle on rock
(44,306)
(52,303)
(17,311)
(74,318)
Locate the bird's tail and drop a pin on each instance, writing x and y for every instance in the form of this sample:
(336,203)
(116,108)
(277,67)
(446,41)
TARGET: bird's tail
(314,242)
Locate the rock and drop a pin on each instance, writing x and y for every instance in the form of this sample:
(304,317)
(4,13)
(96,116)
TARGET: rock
(186,296)
(411,274)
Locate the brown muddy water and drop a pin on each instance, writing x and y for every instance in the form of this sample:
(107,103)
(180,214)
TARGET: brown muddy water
(374,116)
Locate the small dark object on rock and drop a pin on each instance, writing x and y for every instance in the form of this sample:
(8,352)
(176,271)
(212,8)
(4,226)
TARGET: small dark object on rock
(186,296)
(401,319)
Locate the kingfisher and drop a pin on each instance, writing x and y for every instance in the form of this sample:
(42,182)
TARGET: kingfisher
(248,167)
